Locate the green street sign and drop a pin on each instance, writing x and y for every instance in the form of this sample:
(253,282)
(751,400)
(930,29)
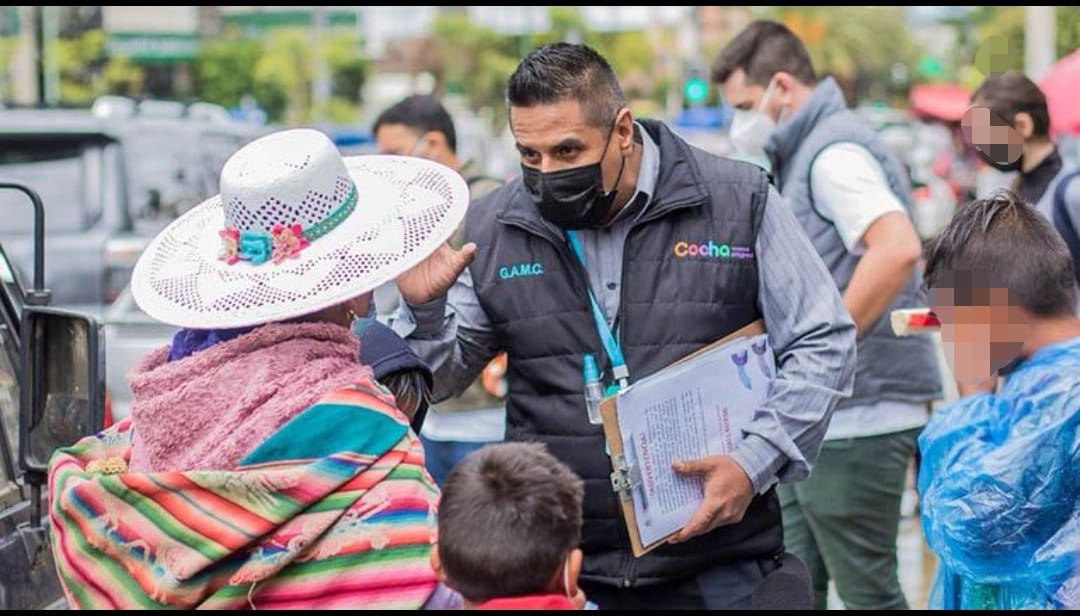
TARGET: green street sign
(153,47)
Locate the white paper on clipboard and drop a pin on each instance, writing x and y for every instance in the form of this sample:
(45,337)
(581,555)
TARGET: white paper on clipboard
(695,408)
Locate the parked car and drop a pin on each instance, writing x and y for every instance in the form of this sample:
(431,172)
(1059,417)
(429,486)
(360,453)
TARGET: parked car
(109,184)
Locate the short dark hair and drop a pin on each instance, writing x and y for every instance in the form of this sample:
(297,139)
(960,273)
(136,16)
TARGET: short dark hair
(1002,242)
(509,515)
(423,114)
(761,50)
(1010,93)
(562,71)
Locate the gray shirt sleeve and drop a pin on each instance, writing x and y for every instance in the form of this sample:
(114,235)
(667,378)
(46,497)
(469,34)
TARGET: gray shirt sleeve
(451,334)
(814,340)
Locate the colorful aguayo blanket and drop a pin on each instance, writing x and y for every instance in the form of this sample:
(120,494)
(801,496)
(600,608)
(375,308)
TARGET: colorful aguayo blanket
(334,510)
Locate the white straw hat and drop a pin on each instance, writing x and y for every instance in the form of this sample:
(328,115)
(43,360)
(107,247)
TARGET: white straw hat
(296,228)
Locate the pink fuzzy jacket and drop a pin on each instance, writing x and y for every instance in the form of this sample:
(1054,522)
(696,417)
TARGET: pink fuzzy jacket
(208,410)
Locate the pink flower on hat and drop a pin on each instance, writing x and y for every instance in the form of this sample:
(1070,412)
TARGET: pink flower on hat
(230,245)
(288,241)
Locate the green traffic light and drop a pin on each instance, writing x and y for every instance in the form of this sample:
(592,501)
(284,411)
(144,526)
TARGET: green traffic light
(695,90)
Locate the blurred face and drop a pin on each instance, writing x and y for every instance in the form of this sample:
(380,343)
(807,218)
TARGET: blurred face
(401,140)
(398,139)
(746,96)
(981,329)
(996,140)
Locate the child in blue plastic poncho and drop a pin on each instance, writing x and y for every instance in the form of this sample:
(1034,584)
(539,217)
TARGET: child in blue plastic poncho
(999,478)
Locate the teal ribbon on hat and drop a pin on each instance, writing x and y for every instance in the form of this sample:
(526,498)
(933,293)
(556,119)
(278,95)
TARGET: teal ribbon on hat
(258,247)
(335,218)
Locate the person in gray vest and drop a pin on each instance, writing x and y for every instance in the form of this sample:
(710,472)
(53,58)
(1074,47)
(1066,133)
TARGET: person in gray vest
(588,252)
(853,201)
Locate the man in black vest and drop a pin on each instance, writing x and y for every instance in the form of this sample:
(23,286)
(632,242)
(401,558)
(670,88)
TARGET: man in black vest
(619,231)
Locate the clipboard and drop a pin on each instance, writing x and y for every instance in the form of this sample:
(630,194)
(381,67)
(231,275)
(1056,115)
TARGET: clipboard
(625,479)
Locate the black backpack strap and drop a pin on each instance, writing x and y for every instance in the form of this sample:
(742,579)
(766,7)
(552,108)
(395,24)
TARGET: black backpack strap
(1062,221)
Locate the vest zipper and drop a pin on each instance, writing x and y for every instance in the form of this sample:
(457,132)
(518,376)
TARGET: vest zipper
(629,577)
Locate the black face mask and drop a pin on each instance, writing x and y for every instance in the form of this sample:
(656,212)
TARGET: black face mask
(573,198)
(1002,166)
(996,161)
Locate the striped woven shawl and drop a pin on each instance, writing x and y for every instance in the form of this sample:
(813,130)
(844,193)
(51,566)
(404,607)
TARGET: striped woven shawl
(334,510)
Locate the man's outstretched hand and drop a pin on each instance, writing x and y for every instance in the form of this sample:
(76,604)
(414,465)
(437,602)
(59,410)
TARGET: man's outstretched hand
(432,278)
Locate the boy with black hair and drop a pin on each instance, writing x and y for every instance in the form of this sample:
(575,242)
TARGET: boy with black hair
(509,528)
(999,469)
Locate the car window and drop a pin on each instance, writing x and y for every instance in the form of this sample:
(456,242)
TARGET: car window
(65,172)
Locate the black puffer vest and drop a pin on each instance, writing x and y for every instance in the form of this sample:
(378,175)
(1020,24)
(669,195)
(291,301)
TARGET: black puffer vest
(689,277)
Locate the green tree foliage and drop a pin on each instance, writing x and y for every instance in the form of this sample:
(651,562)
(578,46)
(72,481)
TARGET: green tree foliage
(474,60)
(348,71)
(1007,22)
(7,55)
(79,60)
(122,76)
(857,45)
(477,61)
(224,70)
(278,71)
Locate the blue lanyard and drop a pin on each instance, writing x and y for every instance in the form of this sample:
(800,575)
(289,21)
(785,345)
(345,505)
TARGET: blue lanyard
(611,346)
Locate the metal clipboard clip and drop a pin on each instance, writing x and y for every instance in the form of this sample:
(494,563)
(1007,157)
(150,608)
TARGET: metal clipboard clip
(624,478)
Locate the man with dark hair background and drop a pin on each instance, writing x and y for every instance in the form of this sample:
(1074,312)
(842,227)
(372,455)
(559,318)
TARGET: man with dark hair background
(419,125)
(853,200)
(581,256)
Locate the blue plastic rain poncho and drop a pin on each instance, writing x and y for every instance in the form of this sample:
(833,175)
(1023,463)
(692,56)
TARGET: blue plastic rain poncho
(999,482)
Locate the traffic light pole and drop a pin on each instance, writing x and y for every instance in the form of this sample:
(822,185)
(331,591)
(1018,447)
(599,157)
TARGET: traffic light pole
(39,53)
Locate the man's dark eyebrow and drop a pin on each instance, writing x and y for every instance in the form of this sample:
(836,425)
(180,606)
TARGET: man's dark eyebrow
(569,142)
(572,142)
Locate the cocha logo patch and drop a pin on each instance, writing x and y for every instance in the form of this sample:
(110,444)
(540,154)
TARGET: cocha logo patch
(711,250)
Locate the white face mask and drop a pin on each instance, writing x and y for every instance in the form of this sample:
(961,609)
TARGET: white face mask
(750,131)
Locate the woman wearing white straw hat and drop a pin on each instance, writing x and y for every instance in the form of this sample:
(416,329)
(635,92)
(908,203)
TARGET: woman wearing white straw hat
(262,465)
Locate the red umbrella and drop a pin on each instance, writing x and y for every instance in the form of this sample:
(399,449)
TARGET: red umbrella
(1061,85)
(941,101)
